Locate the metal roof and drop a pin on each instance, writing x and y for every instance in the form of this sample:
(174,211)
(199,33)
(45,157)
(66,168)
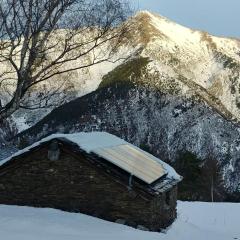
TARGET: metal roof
(134,161)
(115,150)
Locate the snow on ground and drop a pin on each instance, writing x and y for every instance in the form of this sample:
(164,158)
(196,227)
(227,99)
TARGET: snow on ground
(196,221)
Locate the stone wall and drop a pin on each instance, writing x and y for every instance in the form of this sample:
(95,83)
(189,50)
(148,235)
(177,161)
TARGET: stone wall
(74,184)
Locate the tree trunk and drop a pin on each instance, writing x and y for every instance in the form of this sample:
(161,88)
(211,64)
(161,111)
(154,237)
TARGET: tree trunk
(212,194)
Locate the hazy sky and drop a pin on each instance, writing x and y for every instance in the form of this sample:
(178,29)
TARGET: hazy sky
(219,17)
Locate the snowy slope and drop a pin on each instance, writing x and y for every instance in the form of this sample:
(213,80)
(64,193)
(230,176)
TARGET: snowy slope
(198,221)
(205,64)
(204,61)
(62,88)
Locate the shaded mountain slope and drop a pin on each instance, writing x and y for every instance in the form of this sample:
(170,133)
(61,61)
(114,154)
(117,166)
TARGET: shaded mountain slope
(163,123)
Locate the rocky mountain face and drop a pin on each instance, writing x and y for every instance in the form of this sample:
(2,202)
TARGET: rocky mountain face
(178,91)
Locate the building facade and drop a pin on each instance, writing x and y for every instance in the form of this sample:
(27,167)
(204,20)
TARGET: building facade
(87,176)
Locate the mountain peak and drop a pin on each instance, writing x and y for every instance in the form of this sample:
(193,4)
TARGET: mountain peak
(171,28)
(149,17)
(143,28)
(148,14)
(154,26)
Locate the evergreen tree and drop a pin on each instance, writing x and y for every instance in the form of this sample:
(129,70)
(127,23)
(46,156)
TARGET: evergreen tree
(189,166)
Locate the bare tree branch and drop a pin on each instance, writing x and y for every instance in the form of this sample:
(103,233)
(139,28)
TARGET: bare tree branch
(40,39)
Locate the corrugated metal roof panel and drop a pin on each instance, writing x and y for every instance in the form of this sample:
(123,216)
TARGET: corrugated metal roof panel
(134,161)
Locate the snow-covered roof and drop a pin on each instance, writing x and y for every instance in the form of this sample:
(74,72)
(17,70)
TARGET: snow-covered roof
(117,151)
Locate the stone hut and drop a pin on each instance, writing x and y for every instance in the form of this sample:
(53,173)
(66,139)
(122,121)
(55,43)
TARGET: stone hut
(93,173)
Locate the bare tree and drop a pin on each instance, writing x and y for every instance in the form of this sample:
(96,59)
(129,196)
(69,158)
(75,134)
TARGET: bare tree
(40,39)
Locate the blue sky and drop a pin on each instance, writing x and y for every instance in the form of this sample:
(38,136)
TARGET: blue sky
(219,17)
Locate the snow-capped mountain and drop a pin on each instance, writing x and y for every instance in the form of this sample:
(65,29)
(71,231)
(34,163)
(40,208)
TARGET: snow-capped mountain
(177,90)
(205,64)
